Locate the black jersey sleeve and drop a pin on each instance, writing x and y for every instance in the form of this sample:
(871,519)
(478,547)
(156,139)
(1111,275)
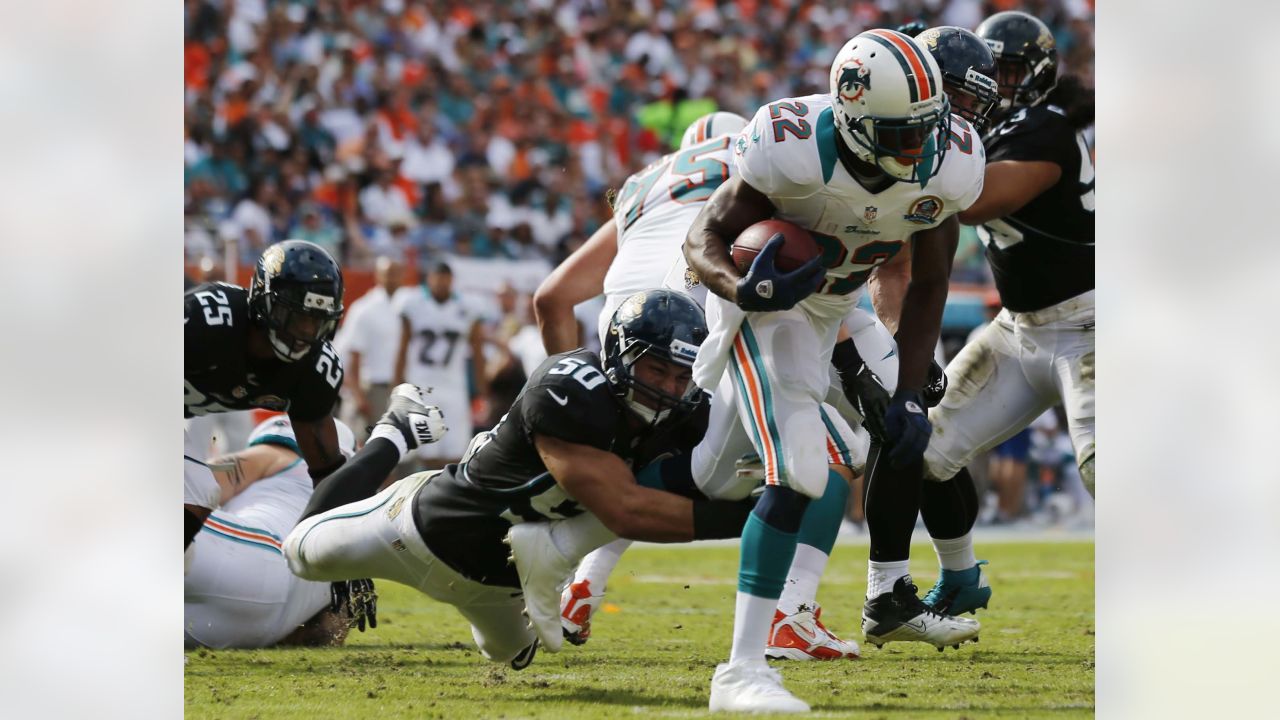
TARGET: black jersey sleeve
(574,409)
(214,320)
(1037,135)
(317,387)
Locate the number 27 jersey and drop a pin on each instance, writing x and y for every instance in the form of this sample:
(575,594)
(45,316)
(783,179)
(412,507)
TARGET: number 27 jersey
(438,347)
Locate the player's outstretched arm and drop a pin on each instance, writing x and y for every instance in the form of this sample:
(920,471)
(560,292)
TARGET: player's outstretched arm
(732,208)
(1007,186)
(887,287)
(318,441)
(604,485)
(237,471)
(580,277)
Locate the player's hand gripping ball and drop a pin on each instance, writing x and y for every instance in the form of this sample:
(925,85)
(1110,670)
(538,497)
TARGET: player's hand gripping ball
(781,265)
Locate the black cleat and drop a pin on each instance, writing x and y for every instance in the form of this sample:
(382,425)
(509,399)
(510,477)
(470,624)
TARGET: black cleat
(900,615)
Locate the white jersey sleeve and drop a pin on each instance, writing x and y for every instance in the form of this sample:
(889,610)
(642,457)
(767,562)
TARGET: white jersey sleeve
(774,153)
(960,180)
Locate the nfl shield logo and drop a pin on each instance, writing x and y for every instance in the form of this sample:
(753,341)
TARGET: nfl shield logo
(869,213)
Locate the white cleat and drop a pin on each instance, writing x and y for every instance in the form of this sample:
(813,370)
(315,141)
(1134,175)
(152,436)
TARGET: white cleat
(544,572)
(752,687)
(802,636)
(899,615)
(577,605)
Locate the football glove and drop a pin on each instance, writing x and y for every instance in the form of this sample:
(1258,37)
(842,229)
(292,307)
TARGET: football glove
(935,387)
(907,427)
(765,288)
(359,599)
(862,387)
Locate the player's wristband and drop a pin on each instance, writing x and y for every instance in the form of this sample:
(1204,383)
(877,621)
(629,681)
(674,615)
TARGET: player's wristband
(392,433)
(719,519)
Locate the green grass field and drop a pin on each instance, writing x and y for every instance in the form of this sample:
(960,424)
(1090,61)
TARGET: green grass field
(653,654)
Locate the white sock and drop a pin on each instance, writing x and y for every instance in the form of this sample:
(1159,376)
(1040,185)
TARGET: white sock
(598,566)
(388,432)
(802,580)
(882,575)
(577,536)
(957,553)
(752,619)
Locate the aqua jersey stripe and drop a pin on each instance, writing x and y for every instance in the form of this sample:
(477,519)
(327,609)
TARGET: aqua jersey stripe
(827,143)
(242,541)
(757,362)
(246,528)
(836,438)
(912,82)
(281,440)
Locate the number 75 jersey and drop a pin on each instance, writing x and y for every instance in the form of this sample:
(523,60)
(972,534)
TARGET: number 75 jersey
(788,152)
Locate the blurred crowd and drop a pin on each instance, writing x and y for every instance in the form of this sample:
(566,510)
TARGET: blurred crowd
(421,128)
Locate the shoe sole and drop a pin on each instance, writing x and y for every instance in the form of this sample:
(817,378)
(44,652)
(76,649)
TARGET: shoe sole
(878,644)
(781,653)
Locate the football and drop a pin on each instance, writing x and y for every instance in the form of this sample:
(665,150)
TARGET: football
(798,246)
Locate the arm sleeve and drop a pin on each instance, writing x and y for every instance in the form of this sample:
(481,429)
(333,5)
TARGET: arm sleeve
(586,417)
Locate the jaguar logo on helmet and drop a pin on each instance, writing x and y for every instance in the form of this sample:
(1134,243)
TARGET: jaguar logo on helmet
(632,307)
(924,211)
(691,279)
(929,38)
(854,80)
(1045,40)
(273,260)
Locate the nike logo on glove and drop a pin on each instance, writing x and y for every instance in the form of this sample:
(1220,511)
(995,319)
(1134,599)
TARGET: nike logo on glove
(562,400)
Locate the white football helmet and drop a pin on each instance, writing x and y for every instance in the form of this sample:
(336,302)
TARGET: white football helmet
(711,125)
(277,430)
(889,104)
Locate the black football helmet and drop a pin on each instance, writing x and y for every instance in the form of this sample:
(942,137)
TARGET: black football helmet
(296,295)
(1026,56)
(968,71)
(661,323)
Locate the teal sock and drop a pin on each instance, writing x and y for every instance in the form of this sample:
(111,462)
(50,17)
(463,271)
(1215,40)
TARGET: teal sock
(766,556)
(822,518)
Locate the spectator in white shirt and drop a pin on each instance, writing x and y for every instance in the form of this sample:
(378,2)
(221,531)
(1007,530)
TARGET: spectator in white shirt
(427,157)
(382,200)
(373,334)
(252,219)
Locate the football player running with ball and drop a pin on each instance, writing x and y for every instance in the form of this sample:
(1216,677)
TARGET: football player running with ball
(577,443)
(870,169)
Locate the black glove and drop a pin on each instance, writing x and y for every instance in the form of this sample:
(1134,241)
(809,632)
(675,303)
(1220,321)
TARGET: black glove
(359,599)
(935,387)
(913,28)
(764,288)
(862,387)
(908,428)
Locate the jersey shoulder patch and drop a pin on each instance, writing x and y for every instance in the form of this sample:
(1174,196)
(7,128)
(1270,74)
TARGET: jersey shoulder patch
(788,149)
(568,397)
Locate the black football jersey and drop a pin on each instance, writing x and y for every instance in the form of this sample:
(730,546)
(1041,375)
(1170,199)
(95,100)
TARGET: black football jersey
(221,376)
(465,511)
(1042,254)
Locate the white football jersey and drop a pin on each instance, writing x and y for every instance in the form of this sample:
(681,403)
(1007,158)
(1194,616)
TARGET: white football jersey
(653,213)
(438,343)
(788,152)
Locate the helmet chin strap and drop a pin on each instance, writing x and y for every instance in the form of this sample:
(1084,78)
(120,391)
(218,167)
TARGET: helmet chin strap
(648,414)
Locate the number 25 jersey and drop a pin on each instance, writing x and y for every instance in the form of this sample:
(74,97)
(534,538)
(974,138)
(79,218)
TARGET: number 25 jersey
(221,376)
